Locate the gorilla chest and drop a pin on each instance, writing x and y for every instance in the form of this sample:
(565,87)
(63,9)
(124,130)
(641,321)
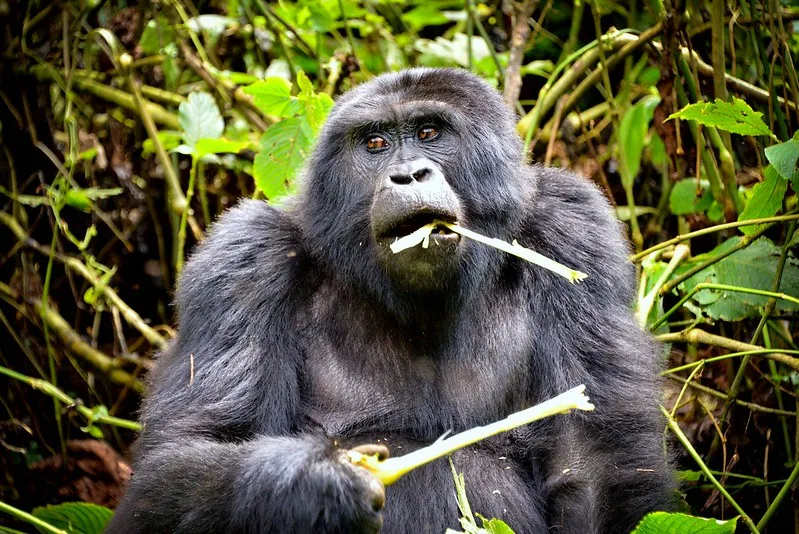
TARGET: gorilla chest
(373,376)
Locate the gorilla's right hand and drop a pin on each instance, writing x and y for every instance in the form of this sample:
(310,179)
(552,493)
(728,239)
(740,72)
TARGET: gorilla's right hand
(267,484)
(310,485)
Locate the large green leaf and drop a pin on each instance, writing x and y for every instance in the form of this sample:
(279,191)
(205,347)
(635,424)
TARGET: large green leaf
(200,118)
(783,157)
(632,133)
(284,148)
(753,267)
(273,97)
(75,517)
(668,523)
(766,199)
(687,197)
(736,116)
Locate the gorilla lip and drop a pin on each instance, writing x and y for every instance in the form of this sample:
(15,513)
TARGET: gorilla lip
(410,224)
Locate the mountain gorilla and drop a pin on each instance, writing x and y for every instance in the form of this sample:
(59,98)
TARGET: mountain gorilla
(302,335)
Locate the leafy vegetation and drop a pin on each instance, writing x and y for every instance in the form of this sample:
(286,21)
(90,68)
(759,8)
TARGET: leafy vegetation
(127,128)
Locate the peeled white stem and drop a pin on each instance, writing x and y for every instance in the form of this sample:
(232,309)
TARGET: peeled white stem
(390,470)
(422,235)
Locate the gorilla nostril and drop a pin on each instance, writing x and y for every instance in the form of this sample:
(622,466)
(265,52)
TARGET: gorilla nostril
(401,179)
(422,174)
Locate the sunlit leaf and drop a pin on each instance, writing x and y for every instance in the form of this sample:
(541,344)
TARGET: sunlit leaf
(284,149)
(273,97)
(735,117)
(200,118)
(671,523)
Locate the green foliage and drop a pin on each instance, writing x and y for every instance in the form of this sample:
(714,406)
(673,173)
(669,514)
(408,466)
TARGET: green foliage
(83,198)
(273,97)
(734,117)
(783,156)
(766,199)
(632,135)
(157,34)
(200,118)
(75,517)
(284,148)
(286,145)
(667,523)
(467,519)
(689,196)
(753,267)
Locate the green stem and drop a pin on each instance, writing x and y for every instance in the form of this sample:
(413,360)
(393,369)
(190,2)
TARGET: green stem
(49,389)
(675,428)
(28,518)
(707,285)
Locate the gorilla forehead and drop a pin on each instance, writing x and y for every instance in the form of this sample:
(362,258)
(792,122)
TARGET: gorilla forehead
(454,95)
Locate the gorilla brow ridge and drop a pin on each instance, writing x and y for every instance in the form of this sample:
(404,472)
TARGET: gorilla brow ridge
(416,112)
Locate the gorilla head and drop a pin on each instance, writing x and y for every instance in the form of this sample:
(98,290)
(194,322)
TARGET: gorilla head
(399,152)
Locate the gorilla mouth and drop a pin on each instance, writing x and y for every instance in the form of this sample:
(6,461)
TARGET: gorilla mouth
(415,221)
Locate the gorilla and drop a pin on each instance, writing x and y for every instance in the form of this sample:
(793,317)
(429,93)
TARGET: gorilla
(301,336)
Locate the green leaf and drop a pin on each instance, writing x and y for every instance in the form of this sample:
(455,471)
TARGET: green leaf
(766,199)
(316,105)
(632,134)
(284,149)
(218,146)
(273,97)
(783,157)
(794,242)
(753,267)
(169,139)
(82,198)
(200,118)
(687,197)
(495,526)
(668,523)
(75,517)
(156,35)
(736,117)
(422,16)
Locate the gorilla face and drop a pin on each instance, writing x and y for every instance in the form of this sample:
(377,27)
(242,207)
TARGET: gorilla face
(409,162)
(398,153)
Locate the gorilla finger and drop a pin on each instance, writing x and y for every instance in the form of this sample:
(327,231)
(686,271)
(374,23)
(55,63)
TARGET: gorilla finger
(373,449)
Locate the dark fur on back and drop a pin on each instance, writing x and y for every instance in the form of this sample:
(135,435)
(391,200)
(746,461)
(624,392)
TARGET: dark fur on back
(301,343)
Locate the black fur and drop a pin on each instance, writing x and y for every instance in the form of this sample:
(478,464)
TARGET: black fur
(299,335)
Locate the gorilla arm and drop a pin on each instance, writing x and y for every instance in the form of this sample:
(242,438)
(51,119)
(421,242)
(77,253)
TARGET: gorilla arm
(606,469)
(220,450)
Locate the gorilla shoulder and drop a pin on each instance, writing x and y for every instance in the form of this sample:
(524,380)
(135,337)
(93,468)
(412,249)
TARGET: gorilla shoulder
(253,252)
(572,222)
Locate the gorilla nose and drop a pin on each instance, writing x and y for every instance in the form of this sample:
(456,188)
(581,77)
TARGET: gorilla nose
(408,173)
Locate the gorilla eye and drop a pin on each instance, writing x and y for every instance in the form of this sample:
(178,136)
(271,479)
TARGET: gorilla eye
(426,133)
(376,143)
